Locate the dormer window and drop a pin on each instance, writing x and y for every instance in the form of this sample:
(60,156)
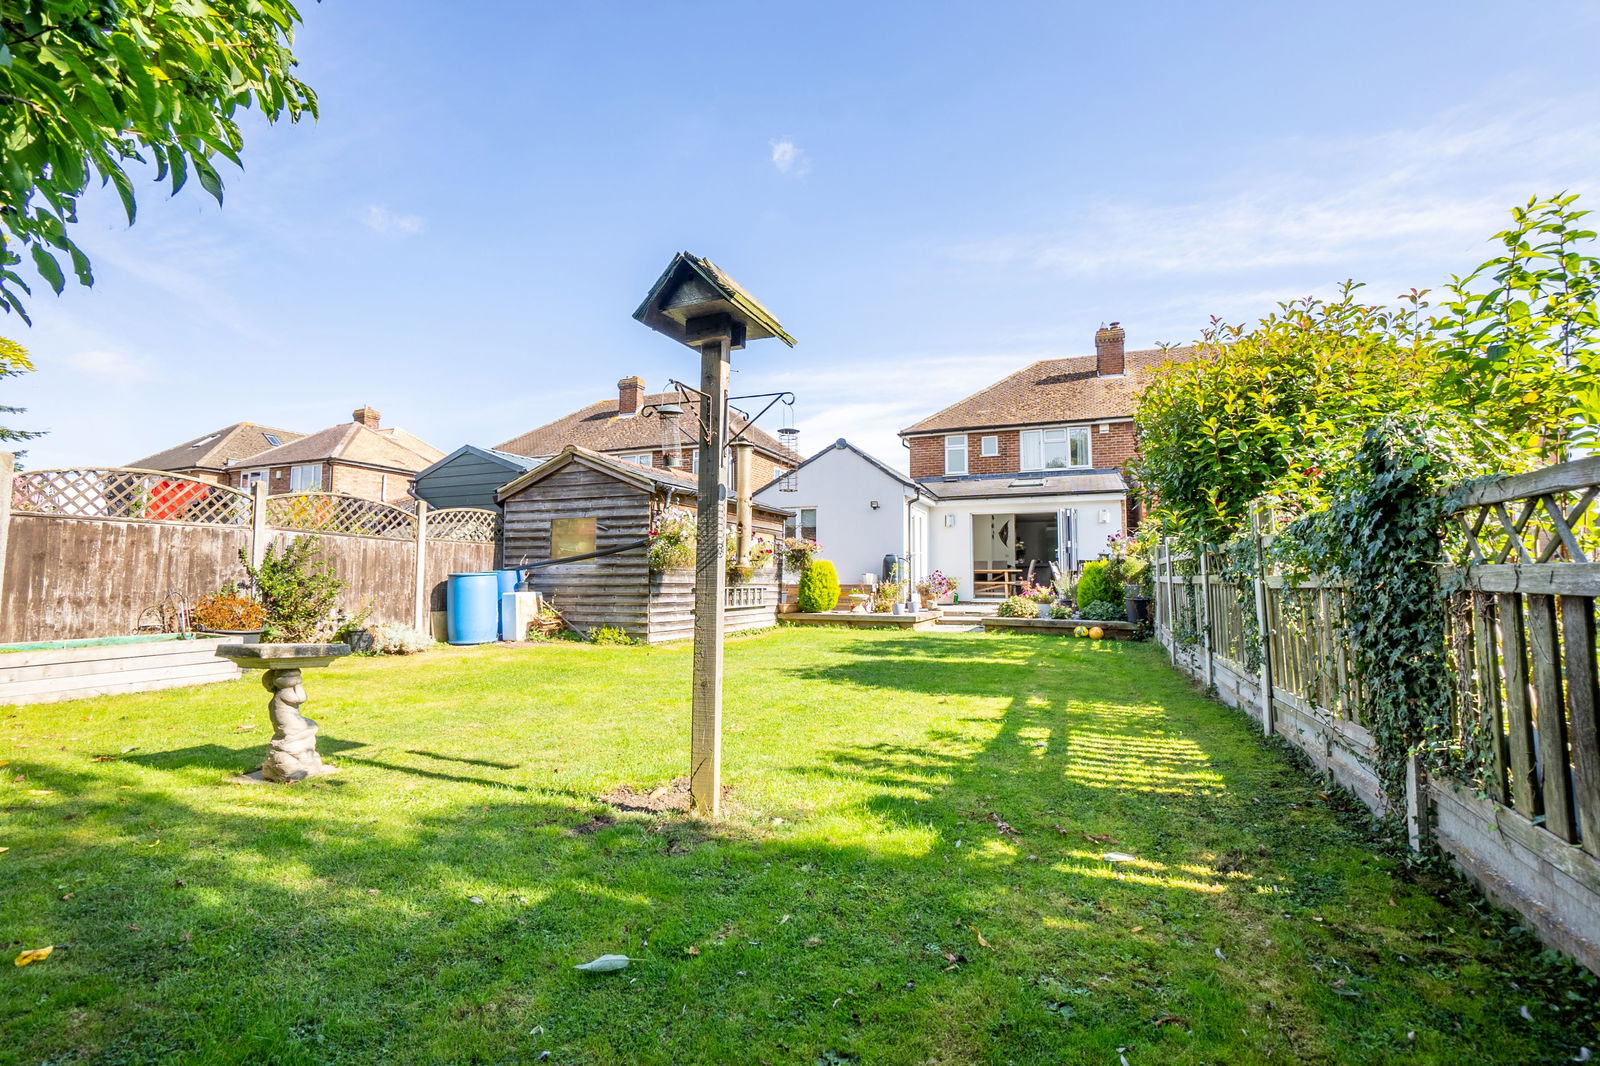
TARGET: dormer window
(1063,448)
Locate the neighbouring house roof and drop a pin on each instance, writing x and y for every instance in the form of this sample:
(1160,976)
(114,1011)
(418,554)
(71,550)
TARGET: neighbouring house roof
(598,427)
(685,486)
(1054,390)
(350,442)
(1000,486)
(844,445)
(211,451)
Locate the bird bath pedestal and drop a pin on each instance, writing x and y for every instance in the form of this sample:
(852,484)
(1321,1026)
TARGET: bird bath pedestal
(292,755)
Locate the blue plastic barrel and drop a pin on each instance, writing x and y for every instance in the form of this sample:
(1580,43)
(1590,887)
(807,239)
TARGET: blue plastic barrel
(472,608)
(508,583)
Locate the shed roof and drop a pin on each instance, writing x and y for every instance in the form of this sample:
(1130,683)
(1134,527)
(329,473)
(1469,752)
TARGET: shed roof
(647,478)
(513,464)
(1054,390)
(351,442)
(210,451)
(598,427)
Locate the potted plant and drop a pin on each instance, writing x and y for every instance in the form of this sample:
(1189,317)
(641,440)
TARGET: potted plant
(229,612)
(933,588)
(1042,596)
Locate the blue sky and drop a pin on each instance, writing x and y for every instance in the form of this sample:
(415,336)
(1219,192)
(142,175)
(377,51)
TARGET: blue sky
(928,195)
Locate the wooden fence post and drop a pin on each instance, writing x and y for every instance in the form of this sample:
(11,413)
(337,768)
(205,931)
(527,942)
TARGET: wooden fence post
(258,522)
(1268,717)
(1205,621)
(1417,820)
(421,616)
(8,466)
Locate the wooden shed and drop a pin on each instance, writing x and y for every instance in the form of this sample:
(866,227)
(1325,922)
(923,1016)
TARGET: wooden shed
(469,477)
(582,501)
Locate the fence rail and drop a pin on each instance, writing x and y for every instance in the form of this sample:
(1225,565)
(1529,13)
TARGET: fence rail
(1520,630)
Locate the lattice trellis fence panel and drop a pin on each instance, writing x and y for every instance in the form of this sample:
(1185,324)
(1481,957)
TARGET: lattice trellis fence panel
(332,512)
(1558,522)
(472,525)
(140,495)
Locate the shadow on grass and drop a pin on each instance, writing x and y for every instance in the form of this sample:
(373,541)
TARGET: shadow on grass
(974,919)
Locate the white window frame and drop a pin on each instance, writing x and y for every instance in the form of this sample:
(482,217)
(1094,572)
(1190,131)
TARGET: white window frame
(639,458)
(795,524)
(989,446)
(1035,446)
(296,475)
(955,444)
(246,480)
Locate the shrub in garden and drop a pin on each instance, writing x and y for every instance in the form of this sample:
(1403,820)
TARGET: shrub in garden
(1017,607)
(1060,611)
(819,588)
(1096,584)
(608,635)
(1102,611)
(385,638)
(299,590)
(228,608)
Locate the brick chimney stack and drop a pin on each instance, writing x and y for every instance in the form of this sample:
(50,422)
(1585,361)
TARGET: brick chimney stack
(630,395)
(366,416)
(1108,361)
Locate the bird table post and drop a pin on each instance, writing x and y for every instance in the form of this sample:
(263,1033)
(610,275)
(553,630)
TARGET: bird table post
(696,304)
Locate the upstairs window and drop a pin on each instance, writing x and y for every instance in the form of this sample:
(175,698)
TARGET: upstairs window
(305,478)
(955,454)
(638,459)
(989,446)
(1055,449)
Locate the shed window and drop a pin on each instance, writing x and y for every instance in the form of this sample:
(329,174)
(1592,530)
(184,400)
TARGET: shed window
(305,478)
(571,536)
(955,454)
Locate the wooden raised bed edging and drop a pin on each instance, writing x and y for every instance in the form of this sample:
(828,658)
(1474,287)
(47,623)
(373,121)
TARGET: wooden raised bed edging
(51,674)
(854,620)
(1063,626)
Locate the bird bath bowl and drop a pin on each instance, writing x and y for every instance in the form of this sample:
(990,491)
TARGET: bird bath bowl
(292,754)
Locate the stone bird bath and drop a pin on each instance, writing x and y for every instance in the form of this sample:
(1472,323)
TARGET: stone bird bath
(292,755)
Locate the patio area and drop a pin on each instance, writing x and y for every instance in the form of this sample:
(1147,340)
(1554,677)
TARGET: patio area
(943,848)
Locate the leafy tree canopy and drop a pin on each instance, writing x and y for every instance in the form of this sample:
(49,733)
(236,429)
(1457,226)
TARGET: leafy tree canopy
(1505,376)
(14,360)
(88,87)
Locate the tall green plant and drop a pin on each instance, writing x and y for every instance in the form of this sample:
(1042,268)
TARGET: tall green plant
(1520,334)
(88,88)
(299,589)
(819,588)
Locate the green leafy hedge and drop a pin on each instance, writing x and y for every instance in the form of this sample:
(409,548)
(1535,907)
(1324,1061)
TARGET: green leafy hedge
(1097,584)
(819,588)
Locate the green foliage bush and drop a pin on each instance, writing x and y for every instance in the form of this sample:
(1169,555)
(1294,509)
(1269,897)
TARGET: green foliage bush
(1103,611)
(1098,583)
(1017,607)
(819,588)
(385,638)
(1060,611)
(300,590)
(608,635)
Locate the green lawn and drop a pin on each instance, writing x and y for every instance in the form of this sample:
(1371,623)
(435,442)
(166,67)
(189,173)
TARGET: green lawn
(906,876)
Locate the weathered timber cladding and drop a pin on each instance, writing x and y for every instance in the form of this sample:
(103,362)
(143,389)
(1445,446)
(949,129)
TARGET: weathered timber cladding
(613,590)
(51,674)
(67,578)
(445,557)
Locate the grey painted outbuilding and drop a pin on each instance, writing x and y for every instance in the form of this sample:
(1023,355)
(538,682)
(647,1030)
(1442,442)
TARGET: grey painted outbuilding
(469,476)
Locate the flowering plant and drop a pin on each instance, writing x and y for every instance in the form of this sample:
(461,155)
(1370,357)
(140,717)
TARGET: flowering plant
(760,556)
(1038,593)
(797,553)
(672,540)
(936,584)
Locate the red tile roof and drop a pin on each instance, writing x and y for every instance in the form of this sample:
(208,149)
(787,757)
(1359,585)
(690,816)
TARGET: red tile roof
(1053,390)
(597,427)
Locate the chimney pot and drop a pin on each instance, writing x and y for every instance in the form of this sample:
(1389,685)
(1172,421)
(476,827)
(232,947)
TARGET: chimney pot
(630,395)
(367,416)
(1108,354)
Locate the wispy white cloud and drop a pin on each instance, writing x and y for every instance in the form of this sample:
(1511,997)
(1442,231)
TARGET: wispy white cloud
(790,158)
(1405,192)
(380,219)
(107,366)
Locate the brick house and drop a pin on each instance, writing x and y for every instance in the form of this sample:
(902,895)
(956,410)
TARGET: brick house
(1030,470)
(619,428)
(357,458)
(206,458)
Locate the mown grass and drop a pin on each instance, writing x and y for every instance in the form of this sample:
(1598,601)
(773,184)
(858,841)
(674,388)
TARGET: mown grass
(861,904)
